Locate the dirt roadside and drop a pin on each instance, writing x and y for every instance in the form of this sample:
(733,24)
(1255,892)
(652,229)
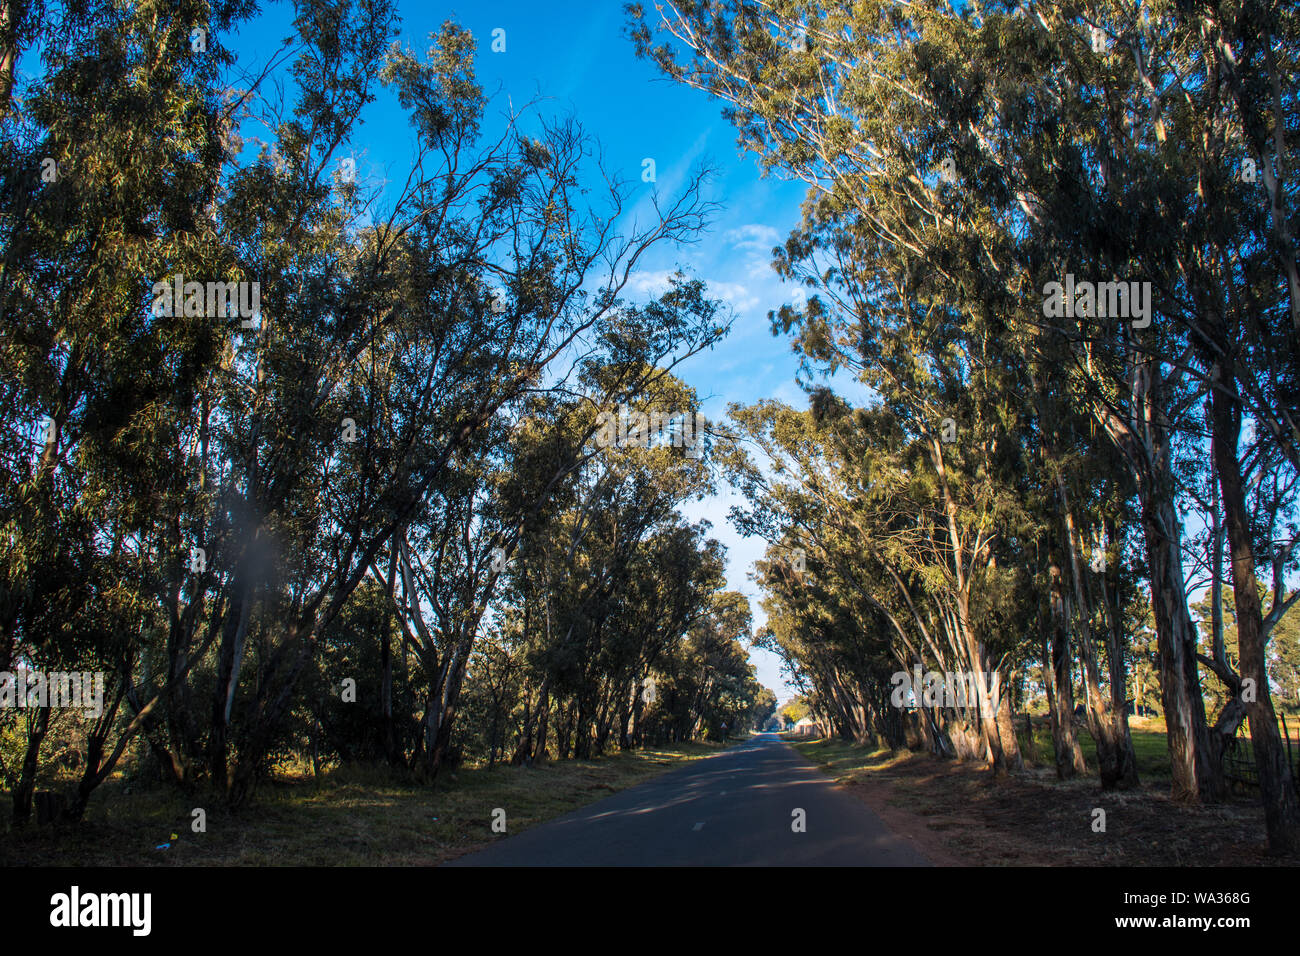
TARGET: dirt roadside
(960,815)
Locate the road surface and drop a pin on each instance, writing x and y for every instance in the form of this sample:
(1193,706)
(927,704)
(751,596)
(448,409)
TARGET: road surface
(735,808)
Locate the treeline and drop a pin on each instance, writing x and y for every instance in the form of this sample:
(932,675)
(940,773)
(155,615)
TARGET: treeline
(1057,242)
(306,466)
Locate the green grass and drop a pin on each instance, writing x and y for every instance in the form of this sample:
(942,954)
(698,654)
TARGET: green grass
(1149,746)
(958,811)
(356,816)
(840,759)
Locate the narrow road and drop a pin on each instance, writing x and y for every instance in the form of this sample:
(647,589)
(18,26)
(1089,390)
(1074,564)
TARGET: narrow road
(735,808)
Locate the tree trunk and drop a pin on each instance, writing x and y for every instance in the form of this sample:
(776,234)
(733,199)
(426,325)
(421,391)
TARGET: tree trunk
(450,701)
(1276,788)
(1069,758)
(234,629)
(386,667)
(11,15)
(1195,776)
(539,749)
(1031,750)
(22,795)
(1127,778)
(1104,723)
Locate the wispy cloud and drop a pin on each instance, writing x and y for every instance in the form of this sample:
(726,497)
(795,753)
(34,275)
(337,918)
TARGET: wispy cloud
(653,282)
(753,236)
(735,294)
(648,283)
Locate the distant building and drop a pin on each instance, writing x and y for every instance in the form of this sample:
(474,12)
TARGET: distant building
(807,727)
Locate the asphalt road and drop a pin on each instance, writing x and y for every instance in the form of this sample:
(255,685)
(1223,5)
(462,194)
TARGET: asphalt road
(735,808)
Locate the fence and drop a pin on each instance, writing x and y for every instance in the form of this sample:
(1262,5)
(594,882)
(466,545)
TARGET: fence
(1239,758)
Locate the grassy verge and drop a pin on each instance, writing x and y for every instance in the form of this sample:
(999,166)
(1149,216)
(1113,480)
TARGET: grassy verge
(356,816)
(844,762)
(1149,745)
(958,813)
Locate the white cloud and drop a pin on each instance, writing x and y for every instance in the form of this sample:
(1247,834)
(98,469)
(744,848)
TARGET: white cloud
(753,236)
(654,282)
(649,283)
(735,294)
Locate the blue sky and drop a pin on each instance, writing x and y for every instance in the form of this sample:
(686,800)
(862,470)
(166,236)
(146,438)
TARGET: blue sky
(577,59)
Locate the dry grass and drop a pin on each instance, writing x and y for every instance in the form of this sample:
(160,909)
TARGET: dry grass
(1032,819)
(357,816)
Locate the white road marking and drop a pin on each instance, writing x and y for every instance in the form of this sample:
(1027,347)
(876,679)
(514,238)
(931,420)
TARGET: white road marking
(698,826)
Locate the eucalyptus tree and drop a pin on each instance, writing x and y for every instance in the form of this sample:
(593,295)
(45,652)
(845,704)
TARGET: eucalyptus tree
(113,152)
(917,545)
(706,681)
(603,639)
(951,141)
(546,462)
(607,630)
(212,480)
